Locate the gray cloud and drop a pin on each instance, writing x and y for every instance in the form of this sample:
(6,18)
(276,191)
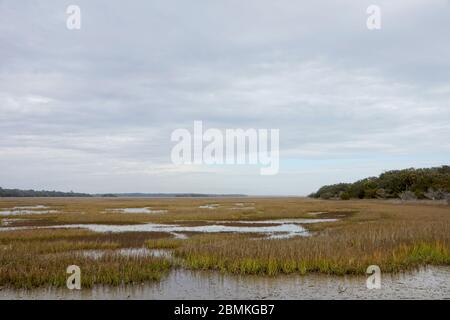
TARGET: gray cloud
(92,110)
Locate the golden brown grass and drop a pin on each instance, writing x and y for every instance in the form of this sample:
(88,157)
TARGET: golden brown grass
(164,243)
(123,239)
(93,210)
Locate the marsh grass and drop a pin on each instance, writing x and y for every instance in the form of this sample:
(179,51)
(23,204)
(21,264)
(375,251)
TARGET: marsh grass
(122,239)
(94,210)
(39,257)
(23,271)
(164,243)
(31,264)
(395,236)
(345,250)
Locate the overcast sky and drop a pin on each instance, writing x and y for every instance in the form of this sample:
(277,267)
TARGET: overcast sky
(92,110)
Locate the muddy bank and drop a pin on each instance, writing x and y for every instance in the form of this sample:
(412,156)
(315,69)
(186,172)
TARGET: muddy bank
(429,283)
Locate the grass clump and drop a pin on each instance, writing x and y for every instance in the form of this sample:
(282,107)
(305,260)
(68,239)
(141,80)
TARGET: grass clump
(163,243)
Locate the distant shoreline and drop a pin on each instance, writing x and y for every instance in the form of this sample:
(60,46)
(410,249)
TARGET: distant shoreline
(18,193)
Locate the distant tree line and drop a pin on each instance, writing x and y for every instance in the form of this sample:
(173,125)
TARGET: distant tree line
(165,195)
(407,184)
(43,193)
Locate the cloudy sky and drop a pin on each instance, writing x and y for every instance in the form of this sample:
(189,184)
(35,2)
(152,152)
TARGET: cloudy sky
(92,110)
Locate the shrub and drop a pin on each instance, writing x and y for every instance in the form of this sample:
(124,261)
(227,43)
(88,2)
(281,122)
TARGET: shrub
(407,195)
(344,195)
(431,183)
(381,193)
(326,195)
(435,194)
